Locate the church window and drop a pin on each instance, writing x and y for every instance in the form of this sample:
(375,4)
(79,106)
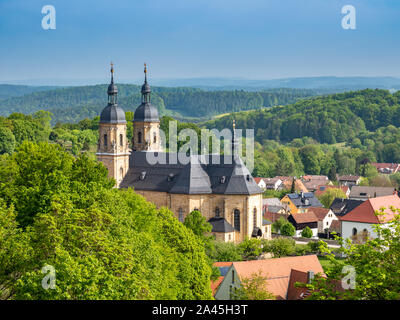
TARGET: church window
(105,140)
(217,212)
(180,214)
(236,219)
(121,140)
(139,137)
(255,217)
(354,231)
(155,137)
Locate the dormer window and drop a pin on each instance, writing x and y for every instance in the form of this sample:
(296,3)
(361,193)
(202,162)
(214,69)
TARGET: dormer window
(222,180)
(170,177)
(142,175)
(248,177)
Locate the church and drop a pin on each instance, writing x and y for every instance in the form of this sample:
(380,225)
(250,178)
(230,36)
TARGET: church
(223,191)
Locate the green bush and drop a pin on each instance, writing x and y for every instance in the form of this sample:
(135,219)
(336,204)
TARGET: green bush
(280,247)
(288,230)
(306,233)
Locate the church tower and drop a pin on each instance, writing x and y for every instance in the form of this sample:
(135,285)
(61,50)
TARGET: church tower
(112,147)
(146,122)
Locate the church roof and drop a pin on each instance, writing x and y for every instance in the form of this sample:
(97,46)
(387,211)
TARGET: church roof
(146,112)
(112,114)
(205,174)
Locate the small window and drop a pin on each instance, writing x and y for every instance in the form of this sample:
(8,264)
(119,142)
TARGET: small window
(139,137)
(180,211)
(354,231)
(105,140)
(155,137)
(255,217)
(217,212)
(121,170)
(236,219)
(121,140)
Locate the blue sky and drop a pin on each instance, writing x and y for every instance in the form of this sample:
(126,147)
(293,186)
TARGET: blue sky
(253,39)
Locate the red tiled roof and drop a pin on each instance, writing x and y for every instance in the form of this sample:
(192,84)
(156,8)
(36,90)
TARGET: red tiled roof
(319,212)
(365,212)
(258,179)
(277,271)
(349,178)
(305,217)
(215,284)
(295,293)
(391,166)
(222,264)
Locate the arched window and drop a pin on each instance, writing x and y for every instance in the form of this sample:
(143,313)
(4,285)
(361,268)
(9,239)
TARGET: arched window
(236,219)
(121,140)
(180,211)
(354,231)
(217,212)
(121,171)
(255,217)
(105,140)
(154,137)
(139,137)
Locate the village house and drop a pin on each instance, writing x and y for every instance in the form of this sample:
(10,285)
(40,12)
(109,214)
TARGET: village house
(312,182)
(274,205)
(288,181)
(349,180)
(281,274)
(366,192)
(386,168)
(302,220)
(358,223)
(341,206)
(300,202)
(325,218)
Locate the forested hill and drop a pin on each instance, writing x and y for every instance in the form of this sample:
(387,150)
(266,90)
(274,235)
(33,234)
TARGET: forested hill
(75,103)
(10,90)
(327,119)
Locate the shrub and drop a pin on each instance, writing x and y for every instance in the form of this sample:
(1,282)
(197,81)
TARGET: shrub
(288,230)
(280,247)
(306,233)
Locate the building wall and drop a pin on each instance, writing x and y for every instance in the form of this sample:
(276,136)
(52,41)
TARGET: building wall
(147,130)
(231,281)
(292,207)
(347,228)
(115,153)
(207,204)
(326,222)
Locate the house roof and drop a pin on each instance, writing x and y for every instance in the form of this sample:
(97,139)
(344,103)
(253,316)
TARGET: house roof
(335,226)
(312,182)
(365,212)
(295,293)
(349,178)
(272,216)
(319,212)
(370,192)
(304,217)
(277,271)
(272,202)
(203,174)
(258,179)
(341,206)
(220,225)
(304,200)
(298,185)
(223,268)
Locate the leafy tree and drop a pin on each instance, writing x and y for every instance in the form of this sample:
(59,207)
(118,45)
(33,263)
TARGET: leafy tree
(280,247)
(250,249)
(329,195)
(306,232)
(226,251)
(7,141)
(277,225)
(254,287)
(376,263)
(288,230)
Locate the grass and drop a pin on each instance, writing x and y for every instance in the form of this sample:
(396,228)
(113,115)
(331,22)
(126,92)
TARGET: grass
(326,263)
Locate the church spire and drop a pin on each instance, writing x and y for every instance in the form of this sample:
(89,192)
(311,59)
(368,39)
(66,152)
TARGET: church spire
(112,88)
(145,88)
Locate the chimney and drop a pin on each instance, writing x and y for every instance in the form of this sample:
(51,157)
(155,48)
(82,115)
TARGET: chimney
(310,276)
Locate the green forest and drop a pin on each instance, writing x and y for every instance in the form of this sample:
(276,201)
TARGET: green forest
(73,104)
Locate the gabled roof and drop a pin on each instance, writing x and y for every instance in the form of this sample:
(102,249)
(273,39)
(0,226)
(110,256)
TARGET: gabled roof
(365,212)
(341,206)
(220,225)
(297,293)
(386,167)
(319,212)
(304,200)
(349,178)
(223,268)
(277,271)
(304,217)
(272,202)
(201,175)
(370,191)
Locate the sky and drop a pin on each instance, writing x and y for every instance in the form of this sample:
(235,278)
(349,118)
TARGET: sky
(249,39)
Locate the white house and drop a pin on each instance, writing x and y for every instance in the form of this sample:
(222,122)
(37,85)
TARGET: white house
(325,218)
(358,222)
(302,220)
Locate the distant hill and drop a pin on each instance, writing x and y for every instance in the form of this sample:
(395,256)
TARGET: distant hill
(10,90)
(72,104)
(327,119)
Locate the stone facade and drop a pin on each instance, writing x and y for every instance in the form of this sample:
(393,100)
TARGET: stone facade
(113,150)
(248,206)
(146,136)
